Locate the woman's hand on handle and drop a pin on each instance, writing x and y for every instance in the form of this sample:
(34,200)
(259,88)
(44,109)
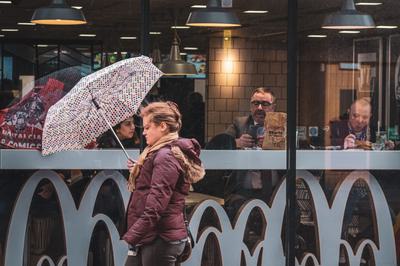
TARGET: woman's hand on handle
(130,164)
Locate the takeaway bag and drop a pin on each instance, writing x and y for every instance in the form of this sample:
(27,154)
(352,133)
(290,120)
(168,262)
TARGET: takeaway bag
(275,131)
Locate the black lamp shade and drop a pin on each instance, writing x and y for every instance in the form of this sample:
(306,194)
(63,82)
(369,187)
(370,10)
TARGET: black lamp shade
(58,13)
(178,68)
(213,16)
(348,18)
(175,66)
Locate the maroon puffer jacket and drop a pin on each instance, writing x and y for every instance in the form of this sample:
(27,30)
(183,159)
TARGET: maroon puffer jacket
(155,207)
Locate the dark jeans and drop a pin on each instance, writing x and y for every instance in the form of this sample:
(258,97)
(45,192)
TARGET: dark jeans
(158,253)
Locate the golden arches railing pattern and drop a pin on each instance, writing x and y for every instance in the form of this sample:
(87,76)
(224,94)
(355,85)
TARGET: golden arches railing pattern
(79,224)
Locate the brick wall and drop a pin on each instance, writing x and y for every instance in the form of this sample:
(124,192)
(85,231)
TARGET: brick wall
(236,67)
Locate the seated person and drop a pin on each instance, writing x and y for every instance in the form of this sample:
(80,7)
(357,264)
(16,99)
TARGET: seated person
(354,132)
(243,185)
(262,101)
(126,134)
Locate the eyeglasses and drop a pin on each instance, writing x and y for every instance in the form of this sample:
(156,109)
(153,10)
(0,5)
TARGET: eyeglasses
(263,103)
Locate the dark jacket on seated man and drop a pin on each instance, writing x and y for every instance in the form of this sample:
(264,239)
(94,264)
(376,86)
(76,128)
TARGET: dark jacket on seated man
(347,133)
(243,185)
(240,126)
(340,129)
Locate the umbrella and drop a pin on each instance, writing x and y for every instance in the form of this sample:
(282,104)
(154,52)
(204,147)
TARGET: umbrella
(21,124)
(98,102)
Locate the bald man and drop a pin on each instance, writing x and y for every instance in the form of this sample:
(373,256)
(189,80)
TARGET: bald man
(356,128)
(359,118)
(345,132)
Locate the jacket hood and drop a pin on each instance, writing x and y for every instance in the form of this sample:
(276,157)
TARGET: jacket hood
(187,152)
(190,147)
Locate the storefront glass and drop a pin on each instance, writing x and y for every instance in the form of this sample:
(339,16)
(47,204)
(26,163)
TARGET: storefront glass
(69,208)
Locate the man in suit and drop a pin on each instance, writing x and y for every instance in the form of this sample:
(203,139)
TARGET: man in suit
(346,132)
(350,133)
(262,101)
(243,185)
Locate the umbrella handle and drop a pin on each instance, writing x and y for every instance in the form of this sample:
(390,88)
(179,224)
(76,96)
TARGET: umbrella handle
(116,137)
(112,130)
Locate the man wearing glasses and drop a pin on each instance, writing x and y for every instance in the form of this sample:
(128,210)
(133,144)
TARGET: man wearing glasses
(243,185)
(244,128)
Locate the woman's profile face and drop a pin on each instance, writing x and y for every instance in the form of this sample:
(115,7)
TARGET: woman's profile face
(126,130)
(153,132)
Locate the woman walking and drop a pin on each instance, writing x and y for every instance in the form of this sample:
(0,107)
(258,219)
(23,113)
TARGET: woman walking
(160,180)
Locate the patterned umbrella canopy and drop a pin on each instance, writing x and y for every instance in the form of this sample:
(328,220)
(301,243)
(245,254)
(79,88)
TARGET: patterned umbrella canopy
(118,90)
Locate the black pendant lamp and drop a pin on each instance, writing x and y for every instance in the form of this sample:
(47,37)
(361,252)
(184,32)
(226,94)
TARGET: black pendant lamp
(348,18)
(213,16)
(175,66)
(58,13)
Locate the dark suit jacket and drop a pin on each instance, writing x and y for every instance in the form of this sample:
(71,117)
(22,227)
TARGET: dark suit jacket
(237,180)
(240,125)
(339,131)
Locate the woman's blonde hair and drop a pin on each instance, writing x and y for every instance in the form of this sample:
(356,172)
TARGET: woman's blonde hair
(166,112)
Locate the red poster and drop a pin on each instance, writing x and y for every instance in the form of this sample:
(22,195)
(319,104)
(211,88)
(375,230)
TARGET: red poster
(21,125)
